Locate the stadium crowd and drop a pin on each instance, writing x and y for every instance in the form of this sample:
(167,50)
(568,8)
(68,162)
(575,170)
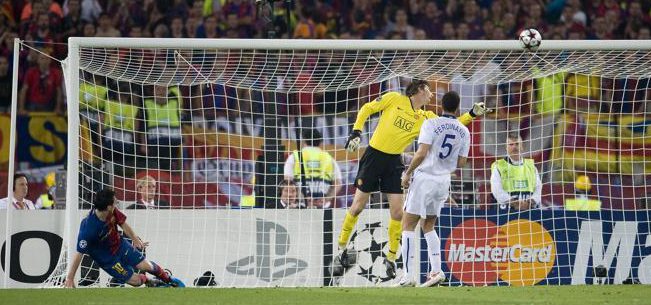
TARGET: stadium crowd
(46,25)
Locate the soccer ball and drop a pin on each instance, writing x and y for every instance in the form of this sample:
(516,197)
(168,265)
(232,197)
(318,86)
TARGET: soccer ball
(530,39)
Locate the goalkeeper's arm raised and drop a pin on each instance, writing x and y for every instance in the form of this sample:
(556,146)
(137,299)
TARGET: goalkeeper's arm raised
(367,110)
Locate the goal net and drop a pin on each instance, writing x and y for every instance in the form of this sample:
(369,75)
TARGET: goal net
(193,136)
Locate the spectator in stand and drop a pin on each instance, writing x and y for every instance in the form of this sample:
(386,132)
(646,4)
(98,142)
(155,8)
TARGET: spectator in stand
(19,202)
(156,14)
(431,20)
(5,84)
(496,34)
(7,18)
(496,13)
(191,27)
(105,27)
(233,29)
(90,10)
(289,197)
(209,28)
(614,20)
(177,30)
(88,30)
(600,29)
(463,31)
(7,43)
(197,10)
(180,8)
(574,13)
(602,6)
(40,31)
(306,28)
(41,89)
(576,32)
(245,12)
(136,32)
(515,182)
(534,18)
(147,194)
(127,14)
(420,34)
(472,19)
(509,25)
(49,6)
(448,31)
(161,31)
(400,25)
(71,23)
(635,19)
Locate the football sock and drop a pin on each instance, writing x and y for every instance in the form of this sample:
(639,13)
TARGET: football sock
(434,250)
(143,279)
(346,229)
(160,273)
(395,231)
(408,251)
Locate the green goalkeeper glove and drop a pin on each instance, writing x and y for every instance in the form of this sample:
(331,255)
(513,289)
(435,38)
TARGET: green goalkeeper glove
(479,109)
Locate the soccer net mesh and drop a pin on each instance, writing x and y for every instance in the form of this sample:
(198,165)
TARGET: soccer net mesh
(199,136)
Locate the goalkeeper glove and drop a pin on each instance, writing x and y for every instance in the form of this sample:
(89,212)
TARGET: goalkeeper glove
(353,141)
(479,109)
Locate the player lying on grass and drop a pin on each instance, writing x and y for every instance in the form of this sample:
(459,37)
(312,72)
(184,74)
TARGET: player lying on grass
(99,238)
(380,168)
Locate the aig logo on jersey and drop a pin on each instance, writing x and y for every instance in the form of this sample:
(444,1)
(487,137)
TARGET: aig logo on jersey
(521,252)
(403,123)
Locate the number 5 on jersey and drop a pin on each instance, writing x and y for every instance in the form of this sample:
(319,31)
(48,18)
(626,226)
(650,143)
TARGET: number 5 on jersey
(447,145)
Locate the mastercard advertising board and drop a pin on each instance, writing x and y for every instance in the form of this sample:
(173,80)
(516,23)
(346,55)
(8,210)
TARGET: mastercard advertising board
(486,248)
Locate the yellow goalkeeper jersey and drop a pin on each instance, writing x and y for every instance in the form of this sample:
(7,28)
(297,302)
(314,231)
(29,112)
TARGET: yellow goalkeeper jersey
(399,123)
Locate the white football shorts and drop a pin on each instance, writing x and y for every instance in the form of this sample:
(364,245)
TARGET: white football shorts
(427,194)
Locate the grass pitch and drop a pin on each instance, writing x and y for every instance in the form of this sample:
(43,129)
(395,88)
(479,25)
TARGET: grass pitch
(585,295)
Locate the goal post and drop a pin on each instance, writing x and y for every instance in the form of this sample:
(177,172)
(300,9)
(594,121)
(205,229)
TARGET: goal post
(217,156)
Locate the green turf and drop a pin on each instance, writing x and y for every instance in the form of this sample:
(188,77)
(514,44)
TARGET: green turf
(585,295)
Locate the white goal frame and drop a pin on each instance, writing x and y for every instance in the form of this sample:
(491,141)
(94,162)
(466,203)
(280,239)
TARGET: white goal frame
(76,43)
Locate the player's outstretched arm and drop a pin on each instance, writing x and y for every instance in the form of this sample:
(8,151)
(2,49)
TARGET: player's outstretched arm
(478,109)
(70,278)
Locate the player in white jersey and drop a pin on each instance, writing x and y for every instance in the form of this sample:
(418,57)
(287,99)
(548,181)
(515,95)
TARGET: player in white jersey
(443,145)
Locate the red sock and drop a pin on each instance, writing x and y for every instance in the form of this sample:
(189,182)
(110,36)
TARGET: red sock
(160,273)
(143,279)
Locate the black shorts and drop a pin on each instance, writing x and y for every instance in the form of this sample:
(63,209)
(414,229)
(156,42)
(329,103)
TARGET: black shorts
(379,171)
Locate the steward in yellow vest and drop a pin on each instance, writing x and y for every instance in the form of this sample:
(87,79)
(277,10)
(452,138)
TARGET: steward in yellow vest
(163,116)
(320,171)
(92,96)
(515,181)
(120,120)
(163,127)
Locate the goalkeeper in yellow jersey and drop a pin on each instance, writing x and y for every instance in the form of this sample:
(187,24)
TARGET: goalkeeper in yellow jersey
(380,168)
